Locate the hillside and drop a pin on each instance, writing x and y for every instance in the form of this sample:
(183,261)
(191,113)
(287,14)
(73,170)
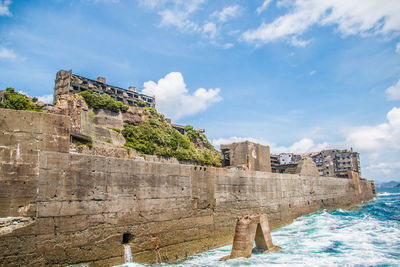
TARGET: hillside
(155,136)
(107,126)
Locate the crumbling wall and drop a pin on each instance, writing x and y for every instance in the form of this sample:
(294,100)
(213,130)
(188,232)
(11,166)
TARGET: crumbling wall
(80,206)
(250,156)
(307,166)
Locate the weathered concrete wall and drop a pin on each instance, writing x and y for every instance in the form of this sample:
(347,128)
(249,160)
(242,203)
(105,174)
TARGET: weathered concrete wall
(252,156)
(75,208)
(23,136)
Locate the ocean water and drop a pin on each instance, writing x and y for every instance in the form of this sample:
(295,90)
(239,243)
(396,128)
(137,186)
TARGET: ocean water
(367,235)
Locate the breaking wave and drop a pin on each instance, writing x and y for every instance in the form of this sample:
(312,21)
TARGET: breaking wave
(368,235)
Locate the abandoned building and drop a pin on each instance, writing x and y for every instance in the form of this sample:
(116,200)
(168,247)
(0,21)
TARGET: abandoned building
(246,156)
(288,158)
(274,162)
(335,162)
(180,128)
(256,157)
(68,83)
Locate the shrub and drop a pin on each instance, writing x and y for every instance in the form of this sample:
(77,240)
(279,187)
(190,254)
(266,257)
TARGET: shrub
(103,101)
(140,104)
(18,101)
(155,136)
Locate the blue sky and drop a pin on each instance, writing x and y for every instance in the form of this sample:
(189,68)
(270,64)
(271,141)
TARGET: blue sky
(298,75)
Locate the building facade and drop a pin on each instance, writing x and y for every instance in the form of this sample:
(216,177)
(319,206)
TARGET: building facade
(246,156)
(288,158)
(68,83)
(335,162)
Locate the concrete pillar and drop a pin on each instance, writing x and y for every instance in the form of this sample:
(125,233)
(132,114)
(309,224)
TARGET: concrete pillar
(251,228)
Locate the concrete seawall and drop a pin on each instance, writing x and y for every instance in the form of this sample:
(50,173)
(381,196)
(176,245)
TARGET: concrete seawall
(60,208)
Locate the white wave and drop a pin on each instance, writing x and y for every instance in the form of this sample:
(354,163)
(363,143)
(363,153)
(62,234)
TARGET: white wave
(388,194)
(341,210)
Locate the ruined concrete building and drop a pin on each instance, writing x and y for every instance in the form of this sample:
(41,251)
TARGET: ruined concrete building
(247,155)
(288,158)
(274,162)
(332,163)
(68,83)
(335,162)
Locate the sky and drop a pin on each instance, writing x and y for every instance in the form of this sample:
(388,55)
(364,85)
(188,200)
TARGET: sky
(297,75)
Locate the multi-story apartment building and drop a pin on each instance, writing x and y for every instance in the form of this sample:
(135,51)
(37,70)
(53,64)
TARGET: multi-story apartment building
(288,158)
(280,163)
(68,83)
(274,162)
(335,162)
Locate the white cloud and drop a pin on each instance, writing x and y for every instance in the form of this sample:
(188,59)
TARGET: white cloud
(385,165)
(210,30)
(297,42)
(234,139)
(398,48)
(393,92)
(23,92)
(47,99)
(264,6)
(6,53)
(4,7)
(228,45)
(178,14)
(284,3)
(227,13)
(379,137)
(363,17)
(313,72)
(177,19)
(174,100)
(302,146)
(379,147)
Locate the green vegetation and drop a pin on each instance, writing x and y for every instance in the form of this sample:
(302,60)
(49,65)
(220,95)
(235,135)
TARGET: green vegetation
(155,136)
(114,129)
(198,138)
(89,143)
(103,101)
(14,100)
(140,104)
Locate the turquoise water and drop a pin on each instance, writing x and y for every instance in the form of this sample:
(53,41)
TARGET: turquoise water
(368,235)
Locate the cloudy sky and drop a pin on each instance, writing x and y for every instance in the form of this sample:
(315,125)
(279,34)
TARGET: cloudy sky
(298,75)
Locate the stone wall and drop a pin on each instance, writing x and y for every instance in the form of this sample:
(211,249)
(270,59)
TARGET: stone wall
(66,208)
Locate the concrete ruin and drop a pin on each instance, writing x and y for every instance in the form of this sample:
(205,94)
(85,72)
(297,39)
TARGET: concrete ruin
(251,229)
(68,83)
(246,156)
(60,206)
